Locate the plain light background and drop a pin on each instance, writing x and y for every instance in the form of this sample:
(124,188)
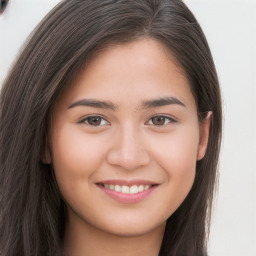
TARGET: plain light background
(230,27)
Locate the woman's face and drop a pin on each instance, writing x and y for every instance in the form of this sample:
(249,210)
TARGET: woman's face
(125,139)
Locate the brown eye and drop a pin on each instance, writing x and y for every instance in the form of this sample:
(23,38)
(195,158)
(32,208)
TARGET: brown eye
(158,120)
(94,121)
(161,120)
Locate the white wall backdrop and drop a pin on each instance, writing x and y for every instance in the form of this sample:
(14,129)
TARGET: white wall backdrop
(230,26)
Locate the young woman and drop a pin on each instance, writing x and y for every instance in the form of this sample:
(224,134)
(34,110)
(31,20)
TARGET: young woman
(110,129)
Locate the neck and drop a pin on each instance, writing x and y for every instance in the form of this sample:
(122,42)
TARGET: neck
(82,239)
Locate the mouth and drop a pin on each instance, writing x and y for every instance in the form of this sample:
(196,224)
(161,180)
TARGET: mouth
(124,189)
(127,192)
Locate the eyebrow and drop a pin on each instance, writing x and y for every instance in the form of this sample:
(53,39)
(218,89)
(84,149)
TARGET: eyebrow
(145,104)
(162,102)
(94,103)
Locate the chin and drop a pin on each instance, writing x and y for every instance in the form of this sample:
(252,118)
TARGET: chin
(133,229)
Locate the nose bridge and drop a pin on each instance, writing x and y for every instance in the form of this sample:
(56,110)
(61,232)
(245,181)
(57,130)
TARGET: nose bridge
(128,150)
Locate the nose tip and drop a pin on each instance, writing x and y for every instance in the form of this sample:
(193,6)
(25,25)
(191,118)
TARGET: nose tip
(129,154)
(128,161)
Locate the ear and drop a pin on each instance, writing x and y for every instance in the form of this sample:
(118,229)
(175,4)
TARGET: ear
(204,136)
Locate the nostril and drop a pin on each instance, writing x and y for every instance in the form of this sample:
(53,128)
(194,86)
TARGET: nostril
(3,5)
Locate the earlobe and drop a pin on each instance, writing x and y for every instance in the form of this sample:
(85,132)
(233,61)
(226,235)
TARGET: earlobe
(204,136)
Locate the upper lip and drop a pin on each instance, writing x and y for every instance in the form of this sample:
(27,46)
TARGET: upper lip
(127,182)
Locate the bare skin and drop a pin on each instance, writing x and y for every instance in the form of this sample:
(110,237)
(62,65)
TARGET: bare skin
(95,242)
(128,122)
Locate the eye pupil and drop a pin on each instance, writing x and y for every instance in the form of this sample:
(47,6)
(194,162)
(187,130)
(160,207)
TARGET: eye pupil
(94,120)
(158,120)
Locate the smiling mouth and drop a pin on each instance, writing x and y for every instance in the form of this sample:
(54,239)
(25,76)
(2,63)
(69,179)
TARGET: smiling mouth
(123,189)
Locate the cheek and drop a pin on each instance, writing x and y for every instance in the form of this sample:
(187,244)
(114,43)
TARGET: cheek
(182,154)
(177,149)
(75,155)
(177,156)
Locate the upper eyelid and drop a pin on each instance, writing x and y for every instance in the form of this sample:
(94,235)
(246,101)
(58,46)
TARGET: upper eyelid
(164,115)
(92,115)
(171,118)
(81,120)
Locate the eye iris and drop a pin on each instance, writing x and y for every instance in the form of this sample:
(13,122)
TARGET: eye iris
(94,120)
(158,120)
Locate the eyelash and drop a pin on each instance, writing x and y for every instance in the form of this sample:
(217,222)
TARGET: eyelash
(167,120)
(85,120)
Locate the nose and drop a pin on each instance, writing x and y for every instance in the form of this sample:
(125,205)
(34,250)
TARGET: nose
(128,150)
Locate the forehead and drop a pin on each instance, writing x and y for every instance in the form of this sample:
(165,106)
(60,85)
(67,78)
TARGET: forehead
(145,51)
(130,72)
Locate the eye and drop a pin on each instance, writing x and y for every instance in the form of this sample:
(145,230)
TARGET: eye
(161,120)
(94,121)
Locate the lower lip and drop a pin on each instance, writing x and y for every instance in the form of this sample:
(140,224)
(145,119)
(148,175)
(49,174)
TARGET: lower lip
(128,198)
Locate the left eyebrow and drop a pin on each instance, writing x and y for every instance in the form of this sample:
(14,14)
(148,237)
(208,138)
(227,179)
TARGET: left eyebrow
(162,102)
(94,103)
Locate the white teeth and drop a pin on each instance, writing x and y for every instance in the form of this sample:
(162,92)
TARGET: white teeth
(126,189)
(146,187)
(134,189)
(141,188)
(118,188)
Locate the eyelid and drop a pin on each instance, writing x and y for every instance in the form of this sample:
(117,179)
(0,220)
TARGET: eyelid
(170,118)
(85,118)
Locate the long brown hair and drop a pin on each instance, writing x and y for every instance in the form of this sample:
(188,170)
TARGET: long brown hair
(32,211)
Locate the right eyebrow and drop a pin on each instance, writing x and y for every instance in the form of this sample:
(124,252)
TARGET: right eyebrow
(94,103)
(159,102)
